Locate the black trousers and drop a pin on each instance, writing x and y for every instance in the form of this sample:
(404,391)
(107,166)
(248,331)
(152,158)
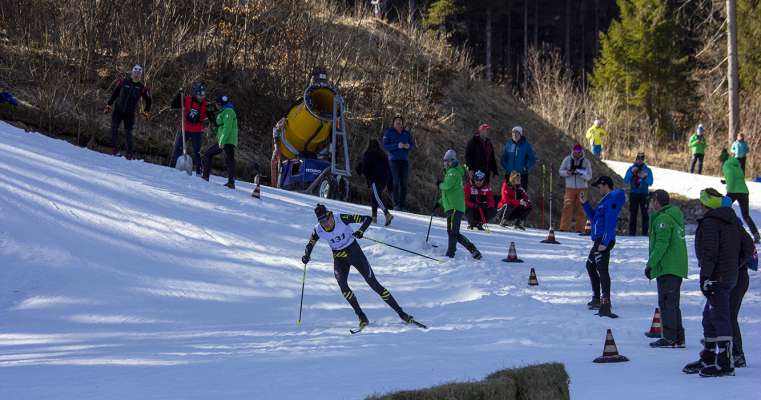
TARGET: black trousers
(717,324)
(742,198)
(479,215)
(597,268)
(229,160)
(117,118)
(742,163)
(509,213)
(353,255)
(454,219)
(669,288)
(638,203)
(735,301)
(376,198)
(697,158)
(400,171)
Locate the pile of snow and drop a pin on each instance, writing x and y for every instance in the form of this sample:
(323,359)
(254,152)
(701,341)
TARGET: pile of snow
(121,279)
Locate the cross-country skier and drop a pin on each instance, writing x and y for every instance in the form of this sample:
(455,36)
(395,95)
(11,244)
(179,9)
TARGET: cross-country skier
(346,253)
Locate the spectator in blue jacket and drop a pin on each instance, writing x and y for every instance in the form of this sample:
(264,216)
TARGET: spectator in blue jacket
(519,156)
(398,142)
(740,150)
(639,178)
(604,219)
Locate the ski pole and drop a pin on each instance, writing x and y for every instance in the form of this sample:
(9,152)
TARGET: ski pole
(301,304)
(399,248)
(483,220)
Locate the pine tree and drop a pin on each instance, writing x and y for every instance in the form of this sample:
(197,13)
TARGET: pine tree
(645,60)
(443,14)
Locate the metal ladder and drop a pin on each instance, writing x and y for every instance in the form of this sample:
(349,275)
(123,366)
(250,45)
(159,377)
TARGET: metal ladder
(339,131)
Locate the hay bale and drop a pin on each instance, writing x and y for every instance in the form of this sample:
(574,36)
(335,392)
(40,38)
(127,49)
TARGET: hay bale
(537,382)
(496,389)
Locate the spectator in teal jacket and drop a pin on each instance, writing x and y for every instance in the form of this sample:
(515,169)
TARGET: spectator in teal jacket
(639,178)
(740,150)
(518,155)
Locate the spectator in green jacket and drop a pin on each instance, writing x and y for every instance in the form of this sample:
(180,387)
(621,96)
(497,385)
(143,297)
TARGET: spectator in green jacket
(226,130)
(667,264)
(737,190)
(698,147)
(453,201)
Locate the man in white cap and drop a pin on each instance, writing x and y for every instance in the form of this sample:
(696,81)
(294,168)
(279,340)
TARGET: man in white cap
(124,99)
(595,135)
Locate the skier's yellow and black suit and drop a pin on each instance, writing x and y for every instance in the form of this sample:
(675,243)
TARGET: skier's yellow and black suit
(347,253)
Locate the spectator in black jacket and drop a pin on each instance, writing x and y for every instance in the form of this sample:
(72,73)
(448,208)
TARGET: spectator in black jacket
(479,154)
(377,171)
(124,99)
(736,297)
(719,248)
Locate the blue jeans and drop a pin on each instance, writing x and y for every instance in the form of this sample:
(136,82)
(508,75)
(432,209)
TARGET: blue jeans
(400,170)
(597,150)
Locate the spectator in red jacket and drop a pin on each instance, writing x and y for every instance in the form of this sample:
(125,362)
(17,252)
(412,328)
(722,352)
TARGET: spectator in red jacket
(479,201)
(196,112)
(514,204)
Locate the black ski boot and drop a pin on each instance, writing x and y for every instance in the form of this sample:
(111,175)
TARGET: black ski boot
(723,365)
(230,183)
(389,218)
(739,360)
(519,225)
(707,357)
(664,343)
(476,254)
(408,319)
(480,227)
(594,304)
(605,308)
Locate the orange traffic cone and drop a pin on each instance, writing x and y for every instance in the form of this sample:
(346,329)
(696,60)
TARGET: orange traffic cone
(551,237)
(512,255)
(610,351)
(655,327)
(532,281)
(257,189)
(587,229)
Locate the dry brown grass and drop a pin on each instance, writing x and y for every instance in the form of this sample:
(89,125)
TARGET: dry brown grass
(261,55)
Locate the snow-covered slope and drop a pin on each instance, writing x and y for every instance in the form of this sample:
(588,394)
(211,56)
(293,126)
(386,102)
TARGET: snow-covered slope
(690,185)
(125,280)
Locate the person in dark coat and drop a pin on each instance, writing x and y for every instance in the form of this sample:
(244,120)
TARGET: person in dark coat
(719,248)
(736,297)
(479,154)
(377,171)
(123,103)
(398,143)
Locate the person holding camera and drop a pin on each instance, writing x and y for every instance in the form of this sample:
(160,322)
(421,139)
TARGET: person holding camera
(639,178)
(577,171)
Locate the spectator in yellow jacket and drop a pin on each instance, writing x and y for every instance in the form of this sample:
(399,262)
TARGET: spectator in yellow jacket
(595,135)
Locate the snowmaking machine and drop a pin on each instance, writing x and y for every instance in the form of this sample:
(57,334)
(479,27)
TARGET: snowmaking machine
(314,143)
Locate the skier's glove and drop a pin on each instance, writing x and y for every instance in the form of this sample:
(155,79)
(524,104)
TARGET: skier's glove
(358,234)
(648,271)
(305,259)
(723,182)
(708,287)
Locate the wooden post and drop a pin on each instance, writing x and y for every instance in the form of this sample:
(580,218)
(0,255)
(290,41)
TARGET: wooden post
(732,75)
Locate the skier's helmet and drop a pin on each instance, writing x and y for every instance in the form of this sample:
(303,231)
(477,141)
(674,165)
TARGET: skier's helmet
(321,212)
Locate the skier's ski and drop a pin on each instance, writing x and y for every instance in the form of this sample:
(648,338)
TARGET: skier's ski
(610,315)
(418,324)
(356,331)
